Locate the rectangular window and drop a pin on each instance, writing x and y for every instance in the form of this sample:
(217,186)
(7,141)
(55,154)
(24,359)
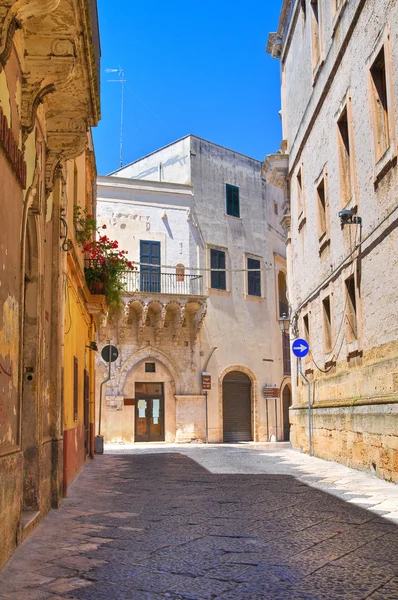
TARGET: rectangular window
(300,202)
(217,266)
(75,389)
(150,368)
(327,324)
(316,34)
(351,310)
(322,210)
(253,277)
(306,325)
(381,124)
(233,207)
(344,144)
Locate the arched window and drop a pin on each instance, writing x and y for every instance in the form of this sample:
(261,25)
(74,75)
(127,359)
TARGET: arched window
(180,272)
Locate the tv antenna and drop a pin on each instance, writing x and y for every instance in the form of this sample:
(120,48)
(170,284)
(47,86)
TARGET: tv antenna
(122,81)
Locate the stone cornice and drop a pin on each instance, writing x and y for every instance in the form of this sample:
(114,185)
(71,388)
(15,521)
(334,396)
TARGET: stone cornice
(275,39)
(59,71)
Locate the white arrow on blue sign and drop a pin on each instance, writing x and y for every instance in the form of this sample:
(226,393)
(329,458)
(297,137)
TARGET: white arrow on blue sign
(300,348)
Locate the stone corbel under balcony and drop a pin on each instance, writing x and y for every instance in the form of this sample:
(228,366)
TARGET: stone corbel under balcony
(275,169)
(13,15)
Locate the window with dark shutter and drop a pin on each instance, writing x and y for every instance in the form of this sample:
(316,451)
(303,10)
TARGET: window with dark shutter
(253,277)
(75,389)
(233,208)
(217,266)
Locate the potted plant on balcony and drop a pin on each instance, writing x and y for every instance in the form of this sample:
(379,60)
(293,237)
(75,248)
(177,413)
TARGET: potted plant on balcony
(106,265)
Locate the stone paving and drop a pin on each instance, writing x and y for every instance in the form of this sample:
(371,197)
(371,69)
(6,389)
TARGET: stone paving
(213,522)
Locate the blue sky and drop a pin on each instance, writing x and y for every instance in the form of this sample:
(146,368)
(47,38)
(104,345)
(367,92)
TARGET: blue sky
(190,67)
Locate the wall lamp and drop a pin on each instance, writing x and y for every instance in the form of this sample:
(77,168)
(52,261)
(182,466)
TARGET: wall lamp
(348,217)
(284,323)
(93,346)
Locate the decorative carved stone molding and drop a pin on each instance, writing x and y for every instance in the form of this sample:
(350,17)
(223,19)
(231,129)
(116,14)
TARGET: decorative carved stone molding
(200,317)
(180,323)
(160,324)
(13,13)
(62,147)
(142,322)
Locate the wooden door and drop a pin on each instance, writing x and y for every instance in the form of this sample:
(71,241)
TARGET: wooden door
(149,418)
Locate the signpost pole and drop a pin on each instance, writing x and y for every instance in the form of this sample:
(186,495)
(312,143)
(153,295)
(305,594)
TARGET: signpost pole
(206,385)
(207,421)
(108,352)
(309,405)
(100,402)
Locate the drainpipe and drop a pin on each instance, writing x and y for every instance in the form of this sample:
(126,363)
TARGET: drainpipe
(309,405)
(207,411)
(209,357)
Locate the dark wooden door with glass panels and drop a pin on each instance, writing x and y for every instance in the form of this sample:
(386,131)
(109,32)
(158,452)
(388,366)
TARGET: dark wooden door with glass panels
(149,412)
(150,275)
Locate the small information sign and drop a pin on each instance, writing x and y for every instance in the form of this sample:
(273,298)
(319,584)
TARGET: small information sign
(206,381)
(271,392)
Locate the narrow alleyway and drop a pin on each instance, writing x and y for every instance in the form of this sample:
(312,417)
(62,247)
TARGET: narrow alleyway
(216,522)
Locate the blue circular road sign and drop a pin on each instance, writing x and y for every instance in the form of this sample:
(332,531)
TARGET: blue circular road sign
(300,348)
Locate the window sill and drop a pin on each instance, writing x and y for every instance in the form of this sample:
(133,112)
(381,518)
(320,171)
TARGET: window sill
(385,163)
(233,217)
(301,221)
(324,242)
(252,298)
(316,71)
(337,17)
(352,349)
(216,292)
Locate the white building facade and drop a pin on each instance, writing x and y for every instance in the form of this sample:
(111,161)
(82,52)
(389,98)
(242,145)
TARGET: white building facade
(202,227)
(339,64)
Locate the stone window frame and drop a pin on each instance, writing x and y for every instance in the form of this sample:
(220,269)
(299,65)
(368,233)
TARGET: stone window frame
(388,158)
(306,328)
(300,193)
(337,12)
(327,293)
(352,200)
(353,344)
(323,234)
(317,38)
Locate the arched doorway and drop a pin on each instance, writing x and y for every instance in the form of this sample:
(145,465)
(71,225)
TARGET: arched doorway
(237,407)
(286,403)
(31,369)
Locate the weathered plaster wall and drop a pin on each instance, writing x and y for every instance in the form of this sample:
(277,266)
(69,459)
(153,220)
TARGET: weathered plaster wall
(355,402)
(171,163)
(243,328)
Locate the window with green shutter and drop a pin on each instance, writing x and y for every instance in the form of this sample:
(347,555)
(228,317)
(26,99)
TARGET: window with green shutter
(233,207)
(217,266)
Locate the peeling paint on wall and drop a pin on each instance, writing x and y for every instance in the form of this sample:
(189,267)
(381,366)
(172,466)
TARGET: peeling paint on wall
(9,333)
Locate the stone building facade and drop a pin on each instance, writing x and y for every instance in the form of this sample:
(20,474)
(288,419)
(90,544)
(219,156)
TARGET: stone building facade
(49,97)
(337,167)
(202,227)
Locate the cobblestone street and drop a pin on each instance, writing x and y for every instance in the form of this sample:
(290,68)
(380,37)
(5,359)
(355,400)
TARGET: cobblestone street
(226,522)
